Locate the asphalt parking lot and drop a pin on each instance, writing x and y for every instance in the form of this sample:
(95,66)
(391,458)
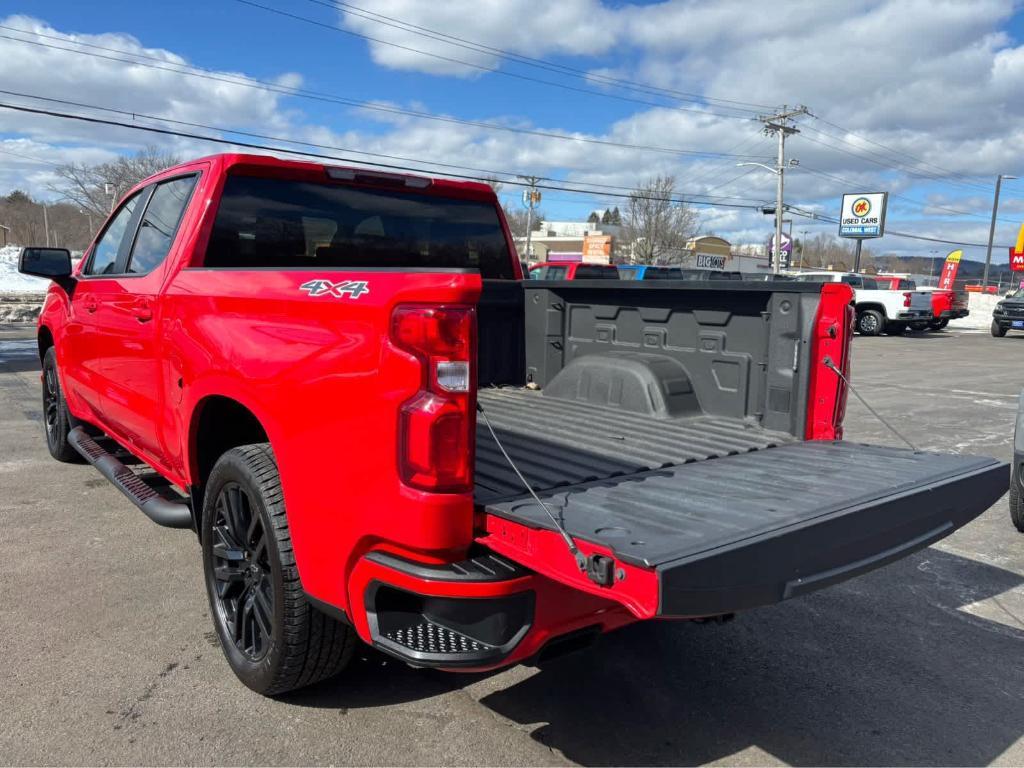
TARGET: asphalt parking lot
(108,655)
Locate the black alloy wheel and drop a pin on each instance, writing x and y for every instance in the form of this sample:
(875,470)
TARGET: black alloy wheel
(51,404)
(242,573)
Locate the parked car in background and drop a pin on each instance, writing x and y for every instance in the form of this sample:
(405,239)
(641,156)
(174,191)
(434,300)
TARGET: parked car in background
(947,304)
(1009,314)
(878,309)
(573,271)
(649,272)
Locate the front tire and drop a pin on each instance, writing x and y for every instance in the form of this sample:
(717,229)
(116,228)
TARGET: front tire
(997,330)
(273,639)
(57,420)
(870,322)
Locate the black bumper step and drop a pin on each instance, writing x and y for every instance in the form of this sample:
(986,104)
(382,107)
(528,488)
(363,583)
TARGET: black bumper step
(753,529)
(162,511)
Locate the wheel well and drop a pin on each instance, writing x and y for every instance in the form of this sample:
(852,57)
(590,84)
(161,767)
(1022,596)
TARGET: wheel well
(45,341)
(877,307)
(219,425)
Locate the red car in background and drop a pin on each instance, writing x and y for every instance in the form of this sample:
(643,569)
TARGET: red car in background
(573,270)
(947,304)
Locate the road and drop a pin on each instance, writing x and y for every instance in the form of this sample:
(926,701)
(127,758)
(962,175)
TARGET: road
(108,655)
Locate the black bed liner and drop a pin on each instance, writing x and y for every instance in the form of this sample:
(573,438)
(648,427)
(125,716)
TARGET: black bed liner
(760,526)
(557,442)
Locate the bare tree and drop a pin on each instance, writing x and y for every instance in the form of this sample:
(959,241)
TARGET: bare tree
(517,217)
(95,188)
(657,227)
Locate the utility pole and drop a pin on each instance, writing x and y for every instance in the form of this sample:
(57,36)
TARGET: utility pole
(779,125)
(531,196)
(46,225)
(992,226)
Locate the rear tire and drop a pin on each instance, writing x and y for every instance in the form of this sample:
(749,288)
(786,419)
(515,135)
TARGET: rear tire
(870,322)
(273,639)
(938,325)
(57,420)
(997,330)
(1017,500)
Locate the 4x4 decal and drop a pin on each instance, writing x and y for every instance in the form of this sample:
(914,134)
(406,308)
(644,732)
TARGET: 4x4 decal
(351,288)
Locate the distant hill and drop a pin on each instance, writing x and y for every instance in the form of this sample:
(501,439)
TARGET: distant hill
(970,269)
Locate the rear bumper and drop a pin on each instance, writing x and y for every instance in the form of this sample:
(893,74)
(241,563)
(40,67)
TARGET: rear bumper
(953,314)
(476,615)
(914,316)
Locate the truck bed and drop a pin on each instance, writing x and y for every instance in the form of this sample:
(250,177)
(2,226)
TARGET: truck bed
(557,442)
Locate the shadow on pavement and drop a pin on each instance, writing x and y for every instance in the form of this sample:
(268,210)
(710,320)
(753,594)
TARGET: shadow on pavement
(887,669)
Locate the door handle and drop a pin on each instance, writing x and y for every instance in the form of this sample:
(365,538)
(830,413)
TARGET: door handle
(91,305)
(143,312)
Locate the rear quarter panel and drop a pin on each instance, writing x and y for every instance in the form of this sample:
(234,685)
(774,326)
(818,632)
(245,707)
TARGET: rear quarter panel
(325,382)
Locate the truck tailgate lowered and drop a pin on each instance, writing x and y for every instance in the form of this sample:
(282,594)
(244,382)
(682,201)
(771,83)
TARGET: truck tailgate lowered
(750,529)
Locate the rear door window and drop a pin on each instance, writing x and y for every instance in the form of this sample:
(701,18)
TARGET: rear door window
(554,273)
(287,224)
(160,223)
(870,284)
(855,280)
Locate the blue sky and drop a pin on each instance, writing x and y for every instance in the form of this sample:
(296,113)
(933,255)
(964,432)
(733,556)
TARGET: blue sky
(915,97)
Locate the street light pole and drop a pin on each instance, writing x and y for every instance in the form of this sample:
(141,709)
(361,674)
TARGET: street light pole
(992,227)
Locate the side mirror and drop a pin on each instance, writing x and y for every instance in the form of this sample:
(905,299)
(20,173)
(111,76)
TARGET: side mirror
(52,263)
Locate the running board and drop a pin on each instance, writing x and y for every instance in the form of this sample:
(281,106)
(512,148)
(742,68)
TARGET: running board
(161,511)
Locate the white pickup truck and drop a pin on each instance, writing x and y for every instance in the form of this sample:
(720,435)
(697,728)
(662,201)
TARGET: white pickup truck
(878,310)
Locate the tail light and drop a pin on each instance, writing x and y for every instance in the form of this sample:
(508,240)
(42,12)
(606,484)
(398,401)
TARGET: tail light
(906,299)
(436,425)
(833,330)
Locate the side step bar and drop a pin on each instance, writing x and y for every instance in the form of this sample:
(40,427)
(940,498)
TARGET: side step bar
(161,511)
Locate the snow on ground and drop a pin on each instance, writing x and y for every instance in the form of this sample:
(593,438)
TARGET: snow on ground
(980,306)
(11,281)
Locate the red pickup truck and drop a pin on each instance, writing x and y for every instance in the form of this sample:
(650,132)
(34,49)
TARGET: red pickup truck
(379,431)
(947,304)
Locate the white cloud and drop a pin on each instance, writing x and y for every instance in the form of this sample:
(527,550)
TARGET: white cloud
(938,81)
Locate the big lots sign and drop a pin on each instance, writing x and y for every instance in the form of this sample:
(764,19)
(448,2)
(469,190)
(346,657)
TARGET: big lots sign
(1017,252)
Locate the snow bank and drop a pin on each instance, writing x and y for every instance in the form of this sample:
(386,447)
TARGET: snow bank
(980,306)
(10,279)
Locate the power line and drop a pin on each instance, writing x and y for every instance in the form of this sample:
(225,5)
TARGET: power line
(884,162)
(888,231)
(482,67)
(336,158)
(896,152)
(191,71)
(548,65)
(489,172)
(918,203)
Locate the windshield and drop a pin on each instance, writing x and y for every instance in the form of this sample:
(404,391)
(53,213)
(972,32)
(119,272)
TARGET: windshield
(286,224)
(1017,294)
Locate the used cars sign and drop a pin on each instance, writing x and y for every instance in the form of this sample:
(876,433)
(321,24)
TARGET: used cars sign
(863,215)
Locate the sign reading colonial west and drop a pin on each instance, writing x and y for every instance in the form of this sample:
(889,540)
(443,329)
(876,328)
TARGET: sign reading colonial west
(950,268)
(1017,252)
(863,215)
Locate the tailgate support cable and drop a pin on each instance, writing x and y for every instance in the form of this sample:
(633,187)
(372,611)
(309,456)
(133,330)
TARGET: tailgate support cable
(581,561)
(832,366)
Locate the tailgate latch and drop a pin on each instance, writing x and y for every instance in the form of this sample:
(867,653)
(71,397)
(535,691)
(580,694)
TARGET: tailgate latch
(601,570)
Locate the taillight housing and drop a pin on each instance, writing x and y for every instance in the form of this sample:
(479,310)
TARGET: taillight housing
(436,425)
(906,299)
(831,336)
